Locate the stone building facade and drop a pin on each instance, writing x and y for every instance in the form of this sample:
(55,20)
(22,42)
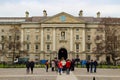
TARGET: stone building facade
(47,37)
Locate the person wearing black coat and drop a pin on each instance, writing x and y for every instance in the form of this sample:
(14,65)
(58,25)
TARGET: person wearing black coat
(95,65)
(28,67)
(87,65)
(91,66)
(32,64)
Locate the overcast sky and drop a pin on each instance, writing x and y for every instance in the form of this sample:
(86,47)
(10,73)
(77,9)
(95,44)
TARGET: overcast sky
(17,8)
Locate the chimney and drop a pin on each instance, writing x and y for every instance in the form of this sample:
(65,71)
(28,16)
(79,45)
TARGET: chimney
(27,14)
(81,13)
(98,14)
(44,13)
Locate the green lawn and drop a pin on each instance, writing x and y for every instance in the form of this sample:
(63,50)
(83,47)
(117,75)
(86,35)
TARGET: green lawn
(42,66)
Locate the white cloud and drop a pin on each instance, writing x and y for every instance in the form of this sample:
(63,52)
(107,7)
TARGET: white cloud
(35,7)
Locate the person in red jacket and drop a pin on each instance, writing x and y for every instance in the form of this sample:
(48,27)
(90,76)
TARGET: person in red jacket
(68,65)
(60,66)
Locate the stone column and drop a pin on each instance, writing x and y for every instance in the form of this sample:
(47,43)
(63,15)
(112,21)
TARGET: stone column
(22,34)
(71,39)
(83,39)
(42,41)
(54,39)
(42,55)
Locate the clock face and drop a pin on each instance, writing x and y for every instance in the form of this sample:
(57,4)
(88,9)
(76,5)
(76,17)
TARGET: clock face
(62,18)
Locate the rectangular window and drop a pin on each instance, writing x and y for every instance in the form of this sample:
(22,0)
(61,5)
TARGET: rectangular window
(2,30)
(28,36)
(28,47)
(77,29)
(88,57)
(88,46)
(77,47)
(2,38)
(88,37)
(48,37)
(36,47)
(10,38)
(77,37)
(10,47)
(2,46)
(17,37)
(48,29)
(48,46)
(37,37)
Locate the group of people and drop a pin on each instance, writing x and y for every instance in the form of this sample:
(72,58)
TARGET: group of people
(30,66)
(91,66)
(61,65)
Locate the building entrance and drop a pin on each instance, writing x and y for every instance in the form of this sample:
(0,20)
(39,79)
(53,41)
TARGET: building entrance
(62,53)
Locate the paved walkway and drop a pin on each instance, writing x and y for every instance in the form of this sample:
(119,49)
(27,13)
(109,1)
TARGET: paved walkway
(40,74)
(64,76)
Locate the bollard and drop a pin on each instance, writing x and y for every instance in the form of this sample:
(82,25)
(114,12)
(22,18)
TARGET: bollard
(93,78)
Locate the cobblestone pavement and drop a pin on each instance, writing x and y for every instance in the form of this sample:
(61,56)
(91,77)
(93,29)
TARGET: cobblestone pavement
(40,74)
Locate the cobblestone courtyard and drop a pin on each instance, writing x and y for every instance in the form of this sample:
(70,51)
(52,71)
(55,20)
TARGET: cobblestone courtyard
(40,74)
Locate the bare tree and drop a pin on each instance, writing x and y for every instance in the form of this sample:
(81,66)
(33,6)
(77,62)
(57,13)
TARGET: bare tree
(15,43)
(111,44)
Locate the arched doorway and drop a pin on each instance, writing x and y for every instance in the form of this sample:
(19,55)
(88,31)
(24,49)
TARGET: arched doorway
(62,53)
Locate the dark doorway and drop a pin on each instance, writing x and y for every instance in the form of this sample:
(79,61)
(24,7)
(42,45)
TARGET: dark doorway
(62,53)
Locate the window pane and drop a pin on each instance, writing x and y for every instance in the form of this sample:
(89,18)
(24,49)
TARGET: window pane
(28,37)
(48,47)
(48,37)
(88,37)
(36,37)
(28,46)
(77,37)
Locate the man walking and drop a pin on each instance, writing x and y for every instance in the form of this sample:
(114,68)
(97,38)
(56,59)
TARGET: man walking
(87,65)
(95,65)
(32,64)
(91,66)
(28,67)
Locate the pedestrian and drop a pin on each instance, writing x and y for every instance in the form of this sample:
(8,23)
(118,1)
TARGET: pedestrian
(60,67)
(91,66)
(27,67)
(47,66)
(63,61)
(72,65)
(95,65)
(88,66)
(52,65)
(56,65)
(32,64)
(68,64)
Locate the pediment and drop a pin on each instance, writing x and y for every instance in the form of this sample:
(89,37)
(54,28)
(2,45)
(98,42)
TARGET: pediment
(62,18)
